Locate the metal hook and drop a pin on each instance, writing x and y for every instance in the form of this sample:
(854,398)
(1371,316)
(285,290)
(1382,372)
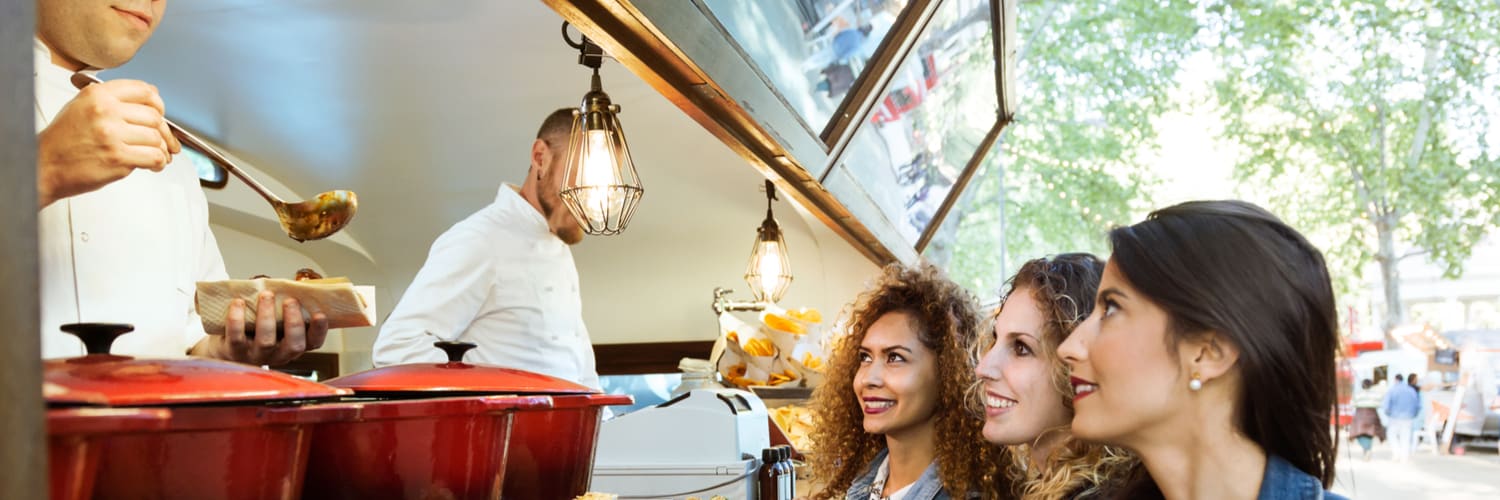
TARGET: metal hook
(589,53)
(577,45)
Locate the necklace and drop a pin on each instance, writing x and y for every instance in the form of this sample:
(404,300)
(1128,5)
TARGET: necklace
(877,488)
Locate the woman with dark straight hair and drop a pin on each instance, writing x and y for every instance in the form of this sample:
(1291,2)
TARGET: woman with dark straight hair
(1213,357)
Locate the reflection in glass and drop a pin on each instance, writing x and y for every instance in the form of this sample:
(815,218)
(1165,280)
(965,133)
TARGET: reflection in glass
(930,121)
(970,244)
(810,50)
(649,389)
(210,174)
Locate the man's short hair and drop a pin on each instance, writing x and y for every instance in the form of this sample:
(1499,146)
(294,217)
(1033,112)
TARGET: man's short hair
(556,127)
(1400,377)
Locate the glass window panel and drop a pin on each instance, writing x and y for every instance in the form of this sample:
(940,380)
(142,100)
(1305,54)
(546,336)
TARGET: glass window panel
(970,243)
(812,51)
(209,173)
(930,120)
(649,389)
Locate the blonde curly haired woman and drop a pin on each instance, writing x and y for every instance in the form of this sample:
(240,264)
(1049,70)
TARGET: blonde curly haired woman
(890,418)
(1025,390)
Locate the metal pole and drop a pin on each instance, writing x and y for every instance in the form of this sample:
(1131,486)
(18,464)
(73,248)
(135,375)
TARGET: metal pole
(23,459)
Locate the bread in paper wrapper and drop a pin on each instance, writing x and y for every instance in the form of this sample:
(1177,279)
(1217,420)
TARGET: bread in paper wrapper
(336,298)
(784,347)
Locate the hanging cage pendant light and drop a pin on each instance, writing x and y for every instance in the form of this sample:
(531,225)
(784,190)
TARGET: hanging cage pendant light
(600,184)
(770,270)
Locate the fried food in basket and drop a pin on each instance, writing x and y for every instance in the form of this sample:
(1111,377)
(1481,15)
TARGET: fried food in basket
(760,347)
(736,376)
(806,314)
(781,378)
(596,496)
(783,323)
(797,423)
(812,362)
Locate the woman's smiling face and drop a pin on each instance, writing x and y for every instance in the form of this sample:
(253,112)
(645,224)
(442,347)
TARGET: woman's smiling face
(1125,379)
(897,380)
(1020,399)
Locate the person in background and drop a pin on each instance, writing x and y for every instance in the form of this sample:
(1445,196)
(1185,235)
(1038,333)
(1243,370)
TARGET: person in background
(1214,358)
(1420,420)
(1431,421)
(1024,388)
(504,279)
(1401,406)
(891,418)
(1366,425)
(122,230)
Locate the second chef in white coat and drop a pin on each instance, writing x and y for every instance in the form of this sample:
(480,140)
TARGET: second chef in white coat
(503,279)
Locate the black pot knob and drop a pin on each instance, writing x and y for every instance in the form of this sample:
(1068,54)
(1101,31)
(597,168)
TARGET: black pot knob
(97,337)
(454,350)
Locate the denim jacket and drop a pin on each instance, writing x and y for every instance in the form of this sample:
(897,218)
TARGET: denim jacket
(1284,481)
(927,487)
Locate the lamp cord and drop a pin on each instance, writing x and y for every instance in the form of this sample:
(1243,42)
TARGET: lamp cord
(770,196)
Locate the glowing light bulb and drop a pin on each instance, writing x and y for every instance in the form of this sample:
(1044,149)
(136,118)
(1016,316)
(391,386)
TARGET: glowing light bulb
(598,160)
(769,267)
(598,175)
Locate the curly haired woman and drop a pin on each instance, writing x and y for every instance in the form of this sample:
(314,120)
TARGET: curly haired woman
(891,422)
(1024,385)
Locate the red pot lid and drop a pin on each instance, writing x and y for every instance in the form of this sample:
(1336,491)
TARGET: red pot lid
(456,376)
(101,378)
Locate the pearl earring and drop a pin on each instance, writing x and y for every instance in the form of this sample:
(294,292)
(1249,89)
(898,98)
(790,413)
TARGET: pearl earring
(1196,383)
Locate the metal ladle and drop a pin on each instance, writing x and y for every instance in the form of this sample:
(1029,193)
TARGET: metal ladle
(307,220)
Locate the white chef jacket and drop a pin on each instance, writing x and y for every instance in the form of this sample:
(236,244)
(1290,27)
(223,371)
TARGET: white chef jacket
(130,252)
(501,280)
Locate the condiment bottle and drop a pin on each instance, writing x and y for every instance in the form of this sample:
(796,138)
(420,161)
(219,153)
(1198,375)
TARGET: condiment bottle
(768,478)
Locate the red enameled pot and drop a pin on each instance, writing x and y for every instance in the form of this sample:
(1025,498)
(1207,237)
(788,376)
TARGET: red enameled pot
(233,431)
(74,437)
(551,450)
(429,448)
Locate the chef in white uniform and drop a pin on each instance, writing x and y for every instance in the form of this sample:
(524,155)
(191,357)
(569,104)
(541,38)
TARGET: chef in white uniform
(123,230)
(503,279)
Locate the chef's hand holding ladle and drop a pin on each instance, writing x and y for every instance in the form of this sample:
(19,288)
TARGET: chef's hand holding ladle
(307,220)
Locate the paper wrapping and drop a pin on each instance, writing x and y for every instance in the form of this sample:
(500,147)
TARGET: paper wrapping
(336,298)
(774,351)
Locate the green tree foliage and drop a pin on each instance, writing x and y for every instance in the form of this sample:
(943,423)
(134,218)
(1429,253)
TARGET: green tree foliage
(1093,75)
(1368,122)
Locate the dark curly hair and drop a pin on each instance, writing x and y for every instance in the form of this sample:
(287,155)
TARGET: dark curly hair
(948,322)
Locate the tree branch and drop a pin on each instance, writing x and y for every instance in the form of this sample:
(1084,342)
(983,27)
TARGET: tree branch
(1031,37)
(1424,109)
(1373,207)
(1412,253)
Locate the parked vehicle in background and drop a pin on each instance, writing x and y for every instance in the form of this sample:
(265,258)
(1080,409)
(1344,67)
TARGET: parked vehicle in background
(1383,366)
(1477,394)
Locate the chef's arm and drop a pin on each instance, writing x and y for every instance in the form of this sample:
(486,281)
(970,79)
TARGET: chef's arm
(108,131)
(441,302)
